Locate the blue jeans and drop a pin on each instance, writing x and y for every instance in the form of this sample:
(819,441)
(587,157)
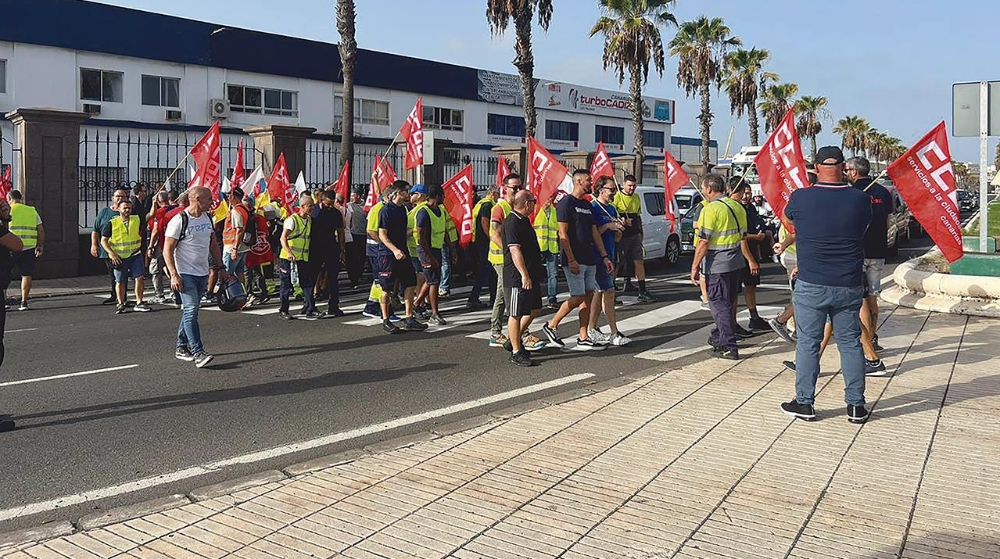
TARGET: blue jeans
(551,269)
(189,333)
(445,285)
(813,304)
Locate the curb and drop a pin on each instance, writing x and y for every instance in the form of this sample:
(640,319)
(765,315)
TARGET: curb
(129,512)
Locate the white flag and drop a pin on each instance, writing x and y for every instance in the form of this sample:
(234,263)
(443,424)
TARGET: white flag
(226,185)
(300,184)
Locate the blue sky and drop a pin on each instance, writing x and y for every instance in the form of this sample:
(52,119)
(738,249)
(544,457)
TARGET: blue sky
(890,61)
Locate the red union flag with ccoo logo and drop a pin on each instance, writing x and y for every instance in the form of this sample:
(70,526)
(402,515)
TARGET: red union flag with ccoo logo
(458,201)
(343,184)
(926,182)
(279,187)
(382,177)
(601,165)
(782,166)
(674,178)
(545,173)
(413,132)
(239,173)
(207,157)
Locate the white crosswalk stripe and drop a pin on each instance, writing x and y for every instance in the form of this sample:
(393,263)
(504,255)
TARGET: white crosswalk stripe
(627,301)
(696,341)
(656,317)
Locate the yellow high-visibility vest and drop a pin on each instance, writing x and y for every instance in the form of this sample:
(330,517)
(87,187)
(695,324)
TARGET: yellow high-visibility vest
(125,238)
(298,239)
(547,229)
(488,202)
(725,228)
(439,226)
(411,224)
(24,224)
(496,251)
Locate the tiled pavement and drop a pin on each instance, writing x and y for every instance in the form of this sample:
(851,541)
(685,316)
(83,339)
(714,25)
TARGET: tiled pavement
(693,462)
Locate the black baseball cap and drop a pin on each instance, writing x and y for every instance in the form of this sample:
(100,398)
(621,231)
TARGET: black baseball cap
(829,152)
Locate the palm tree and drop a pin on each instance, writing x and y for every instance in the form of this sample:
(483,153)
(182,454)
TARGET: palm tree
(871,143)
(744,80)
(811,114)
(775,103)
(631,30)
(498,14)
(852,130)
(348,47)
(701,46)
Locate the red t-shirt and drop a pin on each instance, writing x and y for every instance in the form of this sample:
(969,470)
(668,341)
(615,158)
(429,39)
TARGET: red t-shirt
(160,220)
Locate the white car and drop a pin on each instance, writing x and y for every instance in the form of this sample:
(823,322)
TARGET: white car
(659,241)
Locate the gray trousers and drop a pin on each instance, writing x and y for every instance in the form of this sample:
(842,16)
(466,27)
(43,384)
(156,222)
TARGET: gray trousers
(497,317)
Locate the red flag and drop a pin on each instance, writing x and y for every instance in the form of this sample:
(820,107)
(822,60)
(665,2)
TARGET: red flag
(458,201)
(6,183)
(545,173)
(674,178)
(601,166)
(343,185)
(207,157)
(502,171)
(279,188)
(926,182)
(382,177)
(239,173)
(413,132)
(782,166)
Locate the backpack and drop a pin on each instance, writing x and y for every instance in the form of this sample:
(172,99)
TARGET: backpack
(184,226)
(249,229)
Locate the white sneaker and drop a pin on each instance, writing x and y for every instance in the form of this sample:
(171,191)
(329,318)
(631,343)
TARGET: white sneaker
(620,340)
(598,337)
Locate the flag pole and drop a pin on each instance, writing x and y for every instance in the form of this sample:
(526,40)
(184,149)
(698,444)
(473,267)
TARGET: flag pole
(171,175)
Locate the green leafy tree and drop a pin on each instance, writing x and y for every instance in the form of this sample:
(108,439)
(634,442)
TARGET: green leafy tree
(744,81)
(811,112)
(775,102)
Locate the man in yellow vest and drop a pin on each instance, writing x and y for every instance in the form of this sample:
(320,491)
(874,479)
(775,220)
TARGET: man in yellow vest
(417,200)
(295,235)
(26,224)
(722,246)
(432,233)
(547,231)
(512,184)
(630,248)
(122,239)
(484,275)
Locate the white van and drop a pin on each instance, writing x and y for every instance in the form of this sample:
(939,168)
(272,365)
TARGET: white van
(659,242)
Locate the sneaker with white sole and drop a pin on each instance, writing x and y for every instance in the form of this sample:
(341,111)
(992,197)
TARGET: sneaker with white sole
(183,354)
(533,343)
(875,368)
(202,359)
(497,340)
(141,306)
(552,335)
(857,414)
(436,320)
(587,344)
(799,411)
(23,306)
(781,330)
(620,339)
(598,337)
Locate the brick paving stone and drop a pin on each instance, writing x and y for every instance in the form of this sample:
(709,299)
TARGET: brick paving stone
(419,536)
(277,550)
(153,529)
(224,543)
(96,547)
(146,553)
(63,547)
(245,521)
(194,545)
(381,549)
(344,539)
(503,550)
(226,528)
(171,550)
(130,534)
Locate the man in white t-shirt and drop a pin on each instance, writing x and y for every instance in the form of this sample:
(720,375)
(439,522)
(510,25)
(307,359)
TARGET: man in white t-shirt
(190,237)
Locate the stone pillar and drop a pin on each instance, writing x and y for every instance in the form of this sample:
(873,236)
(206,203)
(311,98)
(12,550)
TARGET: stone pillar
(516,156)
(273,139)
(434,174)
(627,165)
(47,175)
(697,169)
(577,160)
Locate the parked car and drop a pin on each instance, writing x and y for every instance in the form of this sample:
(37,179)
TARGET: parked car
(967,201)
(659,241)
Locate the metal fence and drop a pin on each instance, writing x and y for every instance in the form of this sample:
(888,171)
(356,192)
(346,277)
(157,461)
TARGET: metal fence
(122,158)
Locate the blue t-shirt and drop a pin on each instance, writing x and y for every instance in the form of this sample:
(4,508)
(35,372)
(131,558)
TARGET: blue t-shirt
(830,223)
(579,215)
(392,218)
(602,218)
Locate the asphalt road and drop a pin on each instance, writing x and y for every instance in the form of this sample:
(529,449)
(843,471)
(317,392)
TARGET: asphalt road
(81,438)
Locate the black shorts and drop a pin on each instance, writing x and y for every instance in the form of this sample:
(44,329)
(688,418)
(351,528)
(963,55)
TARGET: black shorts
(432,274)
(748,279)
(521,302)
(25,262)
(389,271)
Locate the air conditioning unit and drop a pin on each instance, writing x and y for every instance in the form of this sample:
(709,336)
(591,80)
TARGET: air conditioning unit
(174,115)
(218,108)
(92,108)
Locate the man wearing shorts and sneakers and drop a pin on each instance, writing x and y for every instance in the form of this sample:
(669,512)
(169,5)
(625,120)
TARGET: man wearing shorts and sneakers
(579,238)
(523,270)
(740,191)
(876,249)
(610,227)
(122,240)
(393,261)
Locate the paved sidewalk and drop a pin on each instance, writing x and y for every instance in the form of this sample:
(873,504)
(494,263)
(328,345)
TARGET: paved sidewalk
(41,288)
(697,461)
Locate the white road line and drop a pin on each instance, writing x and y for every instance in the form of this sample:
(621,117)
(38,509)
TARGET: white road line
(20,330)
(187,473)
(627,301)
(693,342)
(67,375)
(779,286)
(662,315)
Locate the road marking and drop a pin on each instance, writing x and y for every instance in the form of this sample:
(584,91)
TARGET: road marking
(659,316)
(187,473)
(67,375)
(693,342)
(627,301)
(780,286)
(21,330)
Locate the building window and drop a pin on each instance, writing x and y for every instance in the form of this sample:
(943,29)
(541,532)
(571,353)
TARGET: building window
(504,125)
(3,76)
(101,85)
(560,130)
(443,119)
(653,139)
(609,134)
(366,111)
(161,92)
(452,157)
(257,100)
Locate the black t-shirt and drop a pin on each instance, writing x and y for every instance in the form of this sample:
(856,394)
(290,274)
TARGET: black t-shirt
(579,214)
(324,224)
(876,237)
(483,239)
(392,218)
(517,230)
(6,259)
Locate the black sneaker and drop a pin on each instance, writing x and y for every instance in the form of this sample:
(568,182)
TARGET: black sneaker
(857,414)
(110,301)
(759,324)
(789,364)
(119,309)
(713,345)
(414,325)
(552,335)
(202,360)
(743,333)
(6,424)
(391,328)
(875,368)
(875,343)
(521,359)
(285,315)
(724,353)
(184,354)
(336,312)
(800,411)
(509,346)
